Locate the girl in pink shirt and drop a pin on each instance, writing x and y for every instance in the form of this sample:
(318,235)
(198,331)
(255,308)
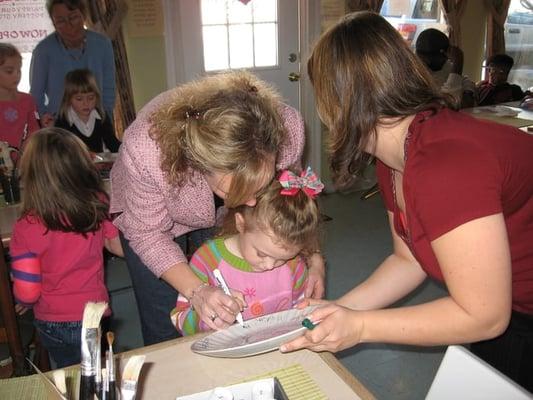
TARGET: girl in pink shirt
(57,244)
(262,251)
(18,112)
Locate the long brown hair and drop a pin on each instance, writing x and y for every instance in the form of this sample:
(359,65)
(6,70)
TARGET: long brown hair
(292,220)
(227,123)
(362,70)
(62,186)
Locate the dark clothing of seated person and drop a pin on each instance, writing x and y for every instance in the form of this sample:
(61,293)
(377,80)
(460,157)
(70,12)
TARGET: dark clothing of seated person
(102,132)
(496,89)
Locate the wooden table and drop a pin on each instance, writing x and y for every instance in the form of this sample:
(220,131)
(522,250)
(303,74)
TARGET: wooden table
(172,369)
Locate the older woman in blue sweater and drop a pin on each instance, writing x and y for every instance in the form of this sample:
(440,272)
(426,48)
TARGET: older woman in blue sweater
(70,47)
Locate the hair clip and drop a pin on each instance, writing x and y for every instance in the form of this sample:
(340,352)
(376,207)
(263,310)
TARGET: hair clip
(192,113)
(308,182)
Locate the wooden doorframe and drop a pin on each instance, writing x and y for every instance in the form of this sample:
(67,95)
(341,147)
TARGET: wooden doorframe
(309,23)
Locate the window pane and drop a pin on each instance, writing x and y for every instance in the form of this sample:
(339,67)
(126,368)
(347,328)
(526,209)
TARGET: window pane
(215,47)
(265,10)
(213,12)
(238,35)
(519,43)
(410,17)
(239,12)
(241,46)
(266,45)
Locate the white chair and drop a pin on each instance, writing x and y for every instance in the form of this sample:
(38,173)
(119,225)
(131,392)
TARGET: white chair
(462,375)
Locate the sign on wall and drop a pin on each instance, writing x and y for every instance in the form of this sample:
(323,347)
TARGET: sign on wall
(145,18)
(24,23)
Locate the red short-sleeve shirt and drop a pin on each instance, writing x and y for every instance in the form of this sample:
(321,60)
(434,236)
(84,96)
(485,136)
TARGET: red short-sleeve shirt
(458,169)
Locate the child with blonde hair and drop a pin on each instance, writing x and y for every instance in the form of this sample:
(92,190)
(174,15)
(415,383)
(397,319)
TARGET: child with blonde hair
(18,112)
(57,244)
(261,252)
(82,113)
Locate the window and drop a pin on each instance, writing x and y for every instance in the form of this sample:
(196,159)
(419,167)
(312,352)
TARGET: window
(239,34)
(24,24)
(410,17)
(519,41)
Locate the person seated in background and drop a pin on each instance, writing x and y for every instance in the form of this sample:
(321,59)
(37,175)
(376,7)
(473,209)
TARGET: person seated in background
(18,112)
(445,64)
(496,89)
(81,112)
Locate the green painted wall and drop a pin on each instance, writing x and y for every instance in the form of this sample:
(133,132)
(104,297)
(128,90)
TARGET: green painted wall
(146,58)
(473,27)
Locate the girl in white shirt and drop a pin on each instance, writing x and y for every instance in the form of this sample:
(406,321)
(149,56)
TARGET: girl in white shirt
(81,112)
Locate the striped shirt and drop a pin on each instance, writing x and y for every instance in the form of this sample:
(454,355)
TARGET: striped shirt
(265,292)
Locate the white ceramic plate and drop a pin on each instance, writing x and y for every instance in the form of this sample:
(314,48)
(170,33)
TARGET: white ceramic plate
(258,335)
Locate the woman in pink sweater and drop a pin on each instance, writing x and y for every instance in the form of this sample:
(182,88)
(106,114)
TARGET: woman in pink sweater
(223,136)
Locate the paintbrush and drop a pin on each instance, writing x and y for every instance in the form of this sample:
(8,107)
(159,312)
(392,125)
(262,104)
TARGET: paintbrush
(90,333)
(98,367)
(111,366)
(130,377)
(105,383)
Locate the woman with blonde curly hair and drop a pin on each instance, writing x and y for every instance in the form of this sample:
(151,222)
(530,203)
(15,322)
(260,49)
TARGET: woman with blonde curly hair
(221,136)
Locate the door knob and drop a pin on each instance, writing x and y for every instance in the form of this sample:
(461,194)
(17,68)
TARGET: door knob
(294,77)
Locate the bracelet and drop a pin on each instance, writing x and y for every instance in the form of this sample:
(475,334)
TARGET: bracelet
(196,290)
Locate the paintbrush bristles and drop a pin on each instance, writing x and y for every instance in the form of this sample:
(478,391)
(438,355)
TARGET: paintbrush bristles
(92,314)
(60,381)
(110,338)
(133,368)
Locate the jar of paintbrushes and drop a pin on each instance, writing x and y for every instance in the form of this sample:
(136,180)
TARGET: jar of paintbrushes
(9,179)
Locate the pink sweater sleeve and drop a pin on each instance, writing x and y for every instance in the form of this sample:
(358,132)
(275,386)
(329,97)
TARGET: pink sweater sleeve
(145,220)
(290,153)
(139,192)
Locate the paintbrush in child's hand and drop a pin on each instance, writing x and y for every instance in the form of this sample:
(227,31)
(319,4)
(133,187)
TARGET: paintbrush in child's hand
(111,366)
(130,377)
(90,333)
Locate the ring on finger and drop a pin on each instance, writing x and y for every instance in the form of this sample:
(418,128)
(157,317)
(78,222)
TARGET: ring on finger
(213,317)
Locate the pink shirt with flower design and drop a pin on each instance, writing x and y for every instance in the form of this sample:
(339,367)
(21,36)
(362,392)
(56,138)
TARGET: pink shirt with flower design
(265,292)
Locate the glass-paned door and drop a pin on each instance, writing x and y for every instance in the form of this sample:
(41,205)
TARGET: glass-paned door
(238,35)
(258,35)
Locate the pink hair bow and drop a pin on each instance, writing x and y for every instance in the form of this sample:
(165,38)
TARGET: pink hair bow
(308,181)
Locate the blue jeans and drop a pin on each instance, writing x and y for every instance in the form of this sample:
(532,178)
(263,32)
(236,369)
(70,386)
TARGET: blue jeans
(62,340)
(156,298)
